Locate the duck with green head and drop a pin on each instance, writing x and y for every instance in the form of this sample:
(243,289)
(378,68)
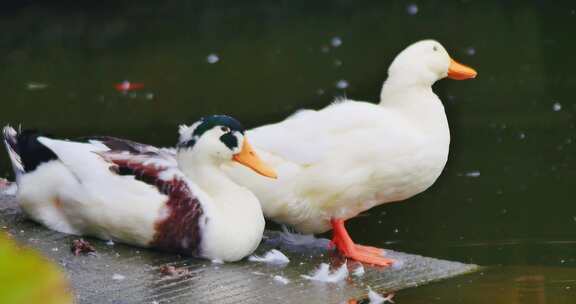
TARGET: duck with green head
(119,190)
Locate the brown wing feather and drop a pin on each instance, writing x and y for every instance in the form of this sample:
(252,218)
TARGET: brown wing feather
(124,145)
(179,231)
(120,144)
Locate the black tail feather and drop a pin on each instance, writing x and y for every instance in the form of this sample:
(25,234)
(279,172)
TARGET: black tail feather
(25,151)
(11,142)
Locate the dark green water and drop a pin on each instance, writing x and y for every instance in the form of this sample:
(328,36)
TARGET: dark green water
(514,124)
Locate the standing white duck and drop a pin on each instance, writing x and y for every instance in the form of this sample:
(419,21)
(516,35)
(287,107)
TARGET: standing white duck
(339,161)
(136,194)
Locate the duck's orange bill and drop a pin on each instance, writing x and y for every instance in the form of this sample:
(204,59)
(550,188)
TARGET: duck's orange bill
(459,71)
(250,159)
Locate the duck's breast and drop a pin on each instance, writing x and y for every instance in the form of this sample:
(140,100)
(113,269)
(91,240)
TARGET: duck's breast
(234,225)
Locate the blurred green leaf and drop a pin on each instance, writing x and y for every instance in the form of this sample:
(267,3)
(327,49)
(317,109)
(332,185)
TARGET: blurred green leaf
(27,277)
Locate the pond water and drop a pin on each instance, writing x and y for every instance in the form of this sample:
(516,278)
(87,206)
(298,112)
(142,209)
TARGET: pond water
(505,199)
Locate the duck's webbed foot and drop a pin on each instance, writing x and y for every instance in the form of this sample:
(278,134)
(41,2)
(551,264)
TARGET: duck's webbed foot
(364,254)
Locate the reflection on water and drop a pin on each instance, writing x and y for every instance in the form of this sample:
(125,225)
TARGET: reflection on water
(519,271)
(511,170)
(500,285)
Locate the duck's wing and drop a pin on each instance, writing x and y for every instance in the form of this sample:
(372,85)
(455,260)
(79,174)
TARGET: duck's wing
(296,140)
(149,168)
(307,136)
(133,183)
(179,228)
(27,152)
(310,136)
(124,145)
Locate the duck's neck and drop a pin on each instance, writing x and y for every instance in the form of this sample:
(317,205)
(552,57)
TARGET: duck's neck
(399,87)
(206,173)
(417,102)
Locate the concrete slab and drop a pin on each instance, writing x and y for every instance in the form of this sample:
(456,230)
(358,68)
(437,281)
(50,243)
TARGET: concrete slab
(121,274)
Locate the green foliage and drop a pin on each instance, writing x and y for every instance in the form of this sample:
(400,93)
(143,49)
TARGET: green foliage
(27,277)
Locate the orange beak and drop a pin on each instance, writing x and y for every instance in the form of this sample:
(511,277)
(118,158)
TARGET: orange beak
(459,71)
(250,159)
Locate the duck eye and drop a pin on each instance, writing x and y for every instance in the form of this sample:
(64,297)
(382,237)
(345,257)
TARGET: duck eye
(225,129)
(435,48)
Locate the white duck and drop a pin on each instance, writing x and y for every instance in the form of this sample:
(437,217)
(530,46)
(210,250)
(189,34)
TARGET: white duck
(136,194)
(339,161)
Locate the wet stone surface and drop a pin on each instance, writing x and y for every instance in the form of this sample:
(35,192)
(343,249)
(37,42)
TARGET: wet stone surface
(118,274)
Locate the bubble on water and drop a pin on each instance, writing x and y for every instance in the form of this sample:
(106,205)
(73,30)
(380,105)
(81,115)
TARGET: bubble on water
(474,173)
(342,84)
(522,135)
(118,277)
(212,58)
(336,42)
(32,86)
(556,107)
(470,51)
(412,9)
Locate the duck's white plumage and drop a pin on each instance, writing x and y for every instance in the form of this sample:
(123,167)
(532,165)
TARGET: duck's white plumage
(343,170)
(124,191)
(94,200)
(350,156)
